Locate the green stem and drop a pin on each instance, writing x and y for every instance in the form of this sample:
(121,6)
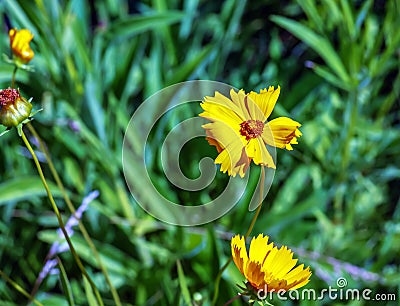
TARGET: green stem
(13,76)
(60,221)
(217,281)
(72,209)
(19,288)
(253,222)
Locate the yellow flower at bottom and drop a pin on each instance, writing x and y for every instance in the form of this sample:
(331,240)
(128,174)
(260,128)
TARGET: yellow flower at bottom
(19,43)
(240,131)
(266,267)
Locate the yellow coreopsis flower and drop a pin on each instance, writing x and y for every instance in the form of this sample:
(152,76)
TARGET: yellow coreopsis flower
(240,131)
(19,43)
(266,267)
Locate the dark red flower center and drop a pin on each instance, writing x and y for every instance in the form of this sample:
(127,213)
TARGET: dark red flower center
(251,128)
(8,96)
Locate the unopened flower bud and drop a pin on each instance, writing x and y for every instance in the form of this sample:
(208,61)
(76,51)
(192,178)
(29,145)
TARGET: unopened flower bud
(14,108)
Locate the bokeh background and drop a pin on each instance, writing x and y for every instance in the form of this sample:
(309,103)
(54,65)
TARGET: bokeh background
(334,199)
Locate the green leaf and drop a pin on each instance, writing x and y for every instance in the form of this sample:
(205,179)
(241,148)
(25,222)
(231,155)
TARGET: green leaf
(123,29)
(348,18)
(318,43)
(65,283)
(330,77)
(23,188)
(93,99)
(5,131)
(191,10)
(16,10)
(112,258)
(183,72)
(311,10)
(89,293)
(183,284)
(165,33)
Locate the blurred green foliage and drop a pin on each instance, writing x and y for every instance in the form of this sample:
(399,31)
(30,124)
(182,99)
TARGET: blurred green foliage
(335,196)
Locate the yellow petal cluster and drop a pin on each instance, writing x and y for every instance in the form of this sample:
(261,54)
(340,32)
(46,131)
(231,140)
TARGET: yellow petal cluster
(240,131)
(266,267)
(19,43)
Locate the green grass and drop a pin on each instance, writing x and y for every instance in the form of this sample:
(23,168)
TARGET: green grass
(335,196)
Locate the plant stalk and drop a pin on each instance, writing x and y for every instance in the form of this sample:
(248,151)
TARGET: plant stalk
(13,76)
(73,211)
(253,222)
(59,218)
(20,289)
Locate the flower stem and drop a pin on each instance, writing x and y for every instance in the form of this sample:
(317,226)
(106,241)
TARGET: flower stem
(72,209)
(60,221)
(19,288)
(13,76)
(218,279)
(260,205)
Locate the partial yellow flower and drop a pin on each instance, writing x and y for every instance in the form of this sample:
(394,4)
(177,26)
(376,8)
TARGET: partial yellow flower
(266,267)
(240,131)
(19,43)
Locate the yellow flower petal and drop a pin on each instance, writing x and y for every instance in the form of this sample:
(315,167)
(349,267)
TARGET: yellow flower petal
(305,278)
(228,162)
(266,99)
(213,142)
(254,275)
(268,267)
(239,253)
(281,133)
(246,115)
(232,157)
(257,250)
(219,103)
(257,150)
(213,112)
(238,100)
(19,43)
(253,109)
(283,264)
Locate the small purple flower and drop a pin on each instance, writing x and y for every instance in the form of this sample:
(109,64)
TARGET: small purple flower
(60,247)
(338,268)
(309,64)
(74,125)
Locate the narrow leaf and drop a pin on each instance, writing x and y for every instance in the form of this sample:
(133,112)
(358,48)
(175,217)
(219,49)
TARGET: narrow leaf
(183,72)
(65,283)
(138,24)
(183,284)
(89,293)
(318,43)
(330,77)
(24,188)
